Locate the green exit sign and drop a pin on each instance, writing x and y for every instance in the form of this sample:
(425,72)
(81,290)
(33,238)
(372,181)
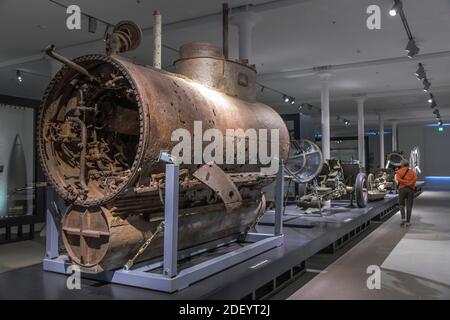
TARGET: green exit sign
(440,129)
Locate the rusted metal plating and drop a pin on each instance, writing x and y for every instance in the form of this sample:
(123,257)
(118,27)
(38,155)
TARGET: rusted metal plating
(205,63)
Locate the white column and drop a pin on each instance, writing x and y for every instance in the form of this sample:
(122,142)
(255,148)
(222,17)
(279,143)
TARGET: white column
(157,49)
(381,130)
(394,136)
(325,110)
(361,133)
(245,21)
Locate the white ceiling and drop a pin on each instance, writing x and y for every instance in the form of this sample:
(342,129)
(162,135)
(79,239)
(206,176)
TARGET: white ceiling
(297,36)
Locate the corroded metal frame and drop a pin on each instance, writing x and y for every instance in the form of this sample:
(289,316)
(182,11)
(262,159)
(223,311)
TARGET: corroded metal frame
(144,275)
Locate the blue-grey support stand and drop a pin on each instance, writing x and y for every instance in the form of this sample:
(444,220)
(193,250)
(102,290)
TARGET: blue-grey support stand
(171,279)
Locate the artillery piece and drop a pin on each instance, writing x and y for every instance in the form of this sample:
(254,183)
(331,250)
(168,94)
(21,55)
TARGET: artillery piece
(383,180)
(324,181)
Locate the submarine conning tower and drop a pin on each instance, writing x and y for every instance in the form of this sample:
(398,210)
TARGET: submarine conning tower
(206,64)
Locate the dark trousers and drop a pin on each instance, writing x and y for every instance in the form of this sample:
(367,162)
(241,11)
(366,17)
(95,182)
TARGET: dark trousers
(406,199)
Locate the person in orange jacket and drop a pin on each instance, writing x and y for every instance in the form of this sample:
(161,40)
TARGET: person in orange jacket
(406,179)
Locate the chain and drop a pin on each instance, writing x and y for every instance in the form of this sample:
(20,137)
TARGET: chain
(259,216)
(130,262)
(257,220)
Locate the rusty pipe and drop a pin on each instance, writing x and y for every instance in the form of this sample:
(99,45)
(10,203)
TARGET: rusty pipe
(157,24)
(50,51)
(225,11)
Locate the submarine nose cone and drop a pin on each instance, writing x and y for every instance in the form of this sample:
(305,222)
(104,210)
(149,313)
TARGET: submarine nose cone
(17,178)
(17,140)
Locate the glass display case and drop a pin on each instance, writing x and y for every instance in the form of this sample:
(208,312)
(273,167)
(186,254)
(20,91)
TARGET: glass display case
(18,192)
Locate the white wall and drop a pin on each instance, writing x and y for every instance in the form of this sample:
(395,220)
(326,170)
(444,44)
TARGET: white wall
(13,121)
(434,147)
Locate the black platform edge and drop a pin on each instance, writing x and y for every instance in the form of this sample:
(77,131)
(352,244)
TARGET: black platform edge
(256,285)
(353,233)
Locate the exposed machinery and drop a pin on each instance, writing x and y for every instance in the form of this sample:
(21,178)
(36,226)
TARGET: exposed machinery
(383,180)
(394,160)
(102,124)
(324,181)
(380,183)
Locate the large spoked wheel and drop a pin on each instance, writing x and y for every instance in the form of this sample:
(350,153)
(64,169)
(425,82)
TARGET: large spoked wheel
(361,190)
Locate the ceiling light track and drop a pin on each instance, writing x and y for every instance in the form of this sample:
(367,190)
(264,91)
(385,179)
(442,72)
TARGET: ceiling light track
(302,106)
(412,50)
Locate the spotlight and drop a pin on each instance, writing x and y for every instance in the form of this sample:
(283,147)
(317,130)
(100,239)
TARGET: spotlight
(433,104)
(420,73)
(286,98)
(19,75)
(300,107)
(426,85)
(292,100)
(431,98)
(346,122)
(412,49)
(436,112)
(396,8)
(440,123)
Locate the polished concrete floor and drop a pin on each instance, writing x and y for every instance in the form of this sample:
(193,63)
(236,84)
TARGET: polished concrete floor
(414,261)
(21,254)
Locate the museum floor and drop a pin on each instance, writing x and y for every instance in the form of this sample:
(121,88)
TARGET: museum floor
(21,254)
(414,261)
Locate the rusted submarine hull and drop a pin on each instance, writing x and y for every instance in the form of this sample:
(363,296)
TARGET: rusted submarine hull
(100,139)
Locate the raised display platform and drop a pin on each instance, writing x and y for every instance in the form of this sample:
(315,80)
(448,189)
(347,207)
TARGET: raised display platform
(252,279)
